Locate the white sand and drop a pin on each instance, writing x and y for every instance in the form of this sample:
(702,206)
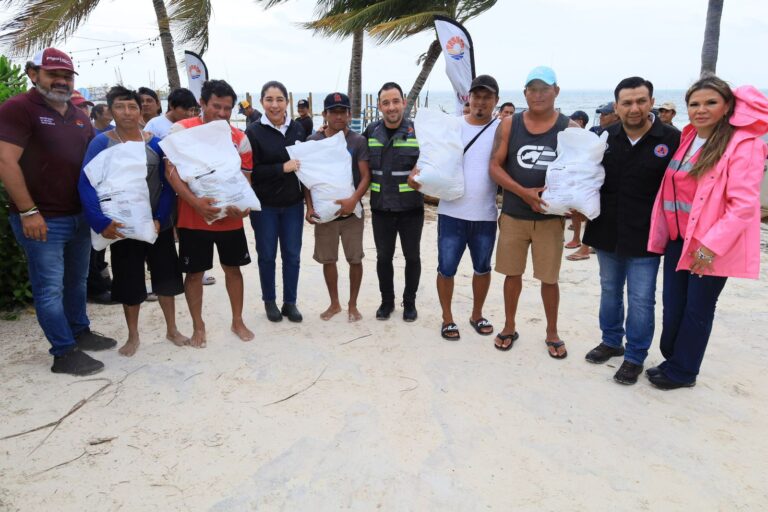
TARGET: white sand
(399,420)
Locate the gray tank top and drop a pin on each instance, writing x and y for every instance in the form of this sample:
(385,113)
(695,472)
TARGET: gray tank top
(528,158)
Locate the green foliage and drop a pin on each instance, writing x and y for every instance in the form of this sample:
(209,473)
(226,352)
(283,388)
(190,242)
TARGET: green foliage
(15,291)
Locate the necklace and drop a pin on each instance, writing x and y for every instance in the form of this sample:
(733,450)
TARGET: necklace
(117,133)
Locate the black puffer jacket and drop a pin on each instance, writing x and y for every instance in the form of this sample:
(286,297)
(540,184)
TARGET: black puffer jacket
(274,187)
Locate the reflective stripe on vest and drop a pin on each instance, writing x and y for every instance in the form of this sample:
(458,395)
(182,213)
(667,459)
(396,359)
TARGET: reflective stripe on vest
(404,187)
(394,173)
(675,165)
(374,143)
(407,143)
(672,206)
(375,187)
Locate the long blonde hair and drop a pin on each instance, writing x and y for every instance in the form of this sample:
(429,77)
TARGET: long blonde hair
(715,146)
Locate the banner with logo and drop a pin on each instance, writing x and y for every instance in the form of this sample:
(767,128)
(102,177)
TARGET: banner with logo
(459,57)
(197,72)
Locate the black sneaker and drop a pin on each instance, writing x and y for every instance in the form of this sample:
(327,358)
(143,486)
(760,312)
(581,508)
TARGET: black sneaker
(76,363)
(273,314)
(602,353)
(104,298)
(93,341)
(385,310)
(628,373)
(292,312)
(661,381)
(653,371)
(409,311)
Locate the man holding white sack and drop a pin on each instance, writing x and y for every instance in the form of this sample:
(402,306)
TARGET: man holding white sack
(639,150)
(196,236)
(524,146)
(347,227)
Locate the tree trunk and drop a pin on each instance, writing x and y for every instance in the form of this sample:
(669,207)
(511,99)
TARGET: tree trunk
(166,40)
(354,85)
(711,38)
(429,62)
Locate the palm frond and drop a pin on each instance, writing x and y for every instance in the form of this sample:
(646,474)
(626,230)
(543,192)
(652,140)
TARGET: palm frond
(467,9)
(403,27)
(189,19)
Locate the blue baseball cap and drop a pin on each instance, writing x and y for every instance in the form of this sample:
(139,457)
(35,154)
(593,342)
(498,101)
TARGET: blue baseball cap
(543,73)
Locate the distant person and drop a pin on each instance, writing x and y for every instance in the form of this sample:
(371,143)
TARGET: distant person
(347,228)
(667,112)
(607,117)
(506,109)
(251,114)
(581,118)
(524,146)
(182,104)
(81,102)
(465,110)
(150,105)
(305,117)
(639,149)
(706,221)
(102,118)
(43,139)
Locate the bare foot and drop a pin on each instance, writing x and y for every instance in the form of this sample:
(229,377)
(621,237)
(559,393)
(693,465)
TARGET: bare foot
(354,314)
(198,339)
(242,331)
(177,338)
(332,310)
(130,348)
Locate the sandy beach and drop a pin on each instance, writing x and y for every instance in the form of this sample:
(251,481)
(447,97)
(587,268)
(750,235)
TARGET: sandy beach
(385,415)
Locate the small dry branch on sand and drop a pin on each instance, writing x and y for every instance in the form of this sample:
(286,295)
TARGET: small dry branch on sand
(354,339)
(299,391)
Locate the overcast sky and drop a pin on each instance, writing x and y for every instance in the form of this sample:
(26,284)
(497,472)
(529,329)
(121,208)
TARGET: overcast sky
(591,44)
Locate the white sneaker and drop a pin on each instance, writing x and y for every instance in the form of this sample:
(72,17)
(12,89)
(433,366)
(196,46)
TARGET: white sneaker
(208,279)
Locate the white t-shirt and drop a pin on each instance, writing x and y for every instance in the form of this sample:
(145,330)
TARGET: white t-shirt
(158,126)
(479,200)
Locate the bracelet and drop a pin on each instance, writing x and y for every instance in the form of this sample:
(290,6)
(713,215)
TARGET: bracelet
(30,212)
(703,257)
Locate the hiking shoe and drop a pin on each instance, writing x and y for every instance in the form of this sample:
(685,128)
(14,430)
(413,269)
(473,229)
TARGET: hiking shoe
(653,371)
(292,312)
(628,373)
(93,341)
(76,363)
(409,311)
(385,310)
(602,353)
(661,381)
(273,314)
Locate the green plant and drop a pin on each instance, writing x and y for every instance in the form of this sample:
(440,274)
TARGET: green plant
(15,291)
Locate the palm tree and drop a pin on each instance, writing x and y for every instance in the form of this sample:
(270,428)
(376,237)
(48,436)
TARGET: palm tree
(711,38)
(40,23)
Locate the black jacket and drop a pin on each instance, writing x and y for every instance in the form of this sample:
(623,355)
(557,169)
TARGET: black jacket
(274,187)
(633,176)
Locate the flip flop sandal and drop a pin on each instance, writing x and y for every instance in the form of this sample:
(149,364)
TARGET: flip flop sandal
(480,324)
(571,245)
(556,345)
(449,329)
(577,257)
(504,337)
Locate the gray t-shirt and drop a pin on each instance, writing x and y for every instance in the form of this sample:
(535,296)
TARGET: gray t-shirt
(528,159)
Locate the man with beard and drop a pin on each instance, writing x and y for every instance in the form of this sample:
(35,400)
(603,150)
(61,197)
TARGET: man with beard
(43,138)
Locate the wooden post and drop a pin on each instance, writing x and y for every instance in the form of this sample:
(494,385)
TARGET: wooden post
(290,105)
(309,99)
(248,98)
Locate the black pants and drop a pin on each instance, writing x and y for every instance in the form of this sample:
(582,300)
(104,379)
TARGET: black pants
(97,283)
(386,227)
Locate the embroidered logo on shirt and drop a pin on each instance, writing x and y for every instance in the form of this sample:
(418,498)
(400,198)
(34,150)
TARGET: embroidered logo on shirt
(537,158)
(79,123)
(47,121)
(661,150)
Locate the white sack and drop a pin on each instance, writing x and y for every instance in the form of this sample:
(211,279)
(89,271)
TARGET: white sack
(326,170)
(119,175)
(209,163)
(441,154)
(574,178)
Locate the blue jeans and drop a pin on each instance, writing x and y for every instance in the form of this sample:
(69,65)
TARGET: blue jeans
(640,276)
(689,310)
(285,225)
(454,235)
(58,272)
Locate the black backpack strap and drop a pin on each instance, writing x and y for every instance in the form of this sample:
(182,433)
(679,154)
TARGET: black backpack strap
(469,144)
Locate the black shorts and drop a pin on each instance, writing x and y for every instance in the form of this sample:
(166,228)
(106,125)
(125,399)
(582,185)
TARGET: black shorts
(128,259)
(196,249)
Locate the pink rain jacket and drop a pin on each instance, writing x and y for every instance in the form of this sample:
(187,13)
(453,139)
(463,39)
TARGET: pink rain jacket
(725,216)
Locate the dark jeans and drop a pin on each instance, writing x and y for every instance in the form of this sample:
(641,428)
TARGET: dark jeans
(689,309)
(386,228)
(285,225)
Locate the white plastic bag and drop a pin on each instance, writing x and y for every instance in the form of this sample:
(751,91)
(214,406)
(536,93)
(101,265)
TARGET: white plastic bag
(326,170)
(208,162)
(119,175)
(574,178)
(441,154)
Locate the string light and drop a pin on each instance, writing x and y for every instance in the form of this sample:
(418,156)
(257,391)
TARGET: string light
(126,50)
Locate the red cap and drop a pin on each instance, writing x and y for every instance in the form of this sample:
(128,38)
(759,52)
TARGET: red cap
(51,58)
(78,99)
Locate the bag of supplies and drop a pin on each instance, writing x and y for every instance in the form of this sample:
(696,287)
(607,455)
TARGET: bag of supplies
(441,154)
(208,162)
(326,170)
(574,178)
(119,175)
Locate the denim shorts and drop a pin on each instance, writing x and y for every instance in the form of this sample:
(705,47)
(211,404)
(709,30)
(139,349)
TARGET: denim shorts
(454,235)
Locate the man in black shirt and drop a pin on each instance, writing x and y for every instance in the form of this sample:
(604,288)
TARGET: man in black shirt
(305,118)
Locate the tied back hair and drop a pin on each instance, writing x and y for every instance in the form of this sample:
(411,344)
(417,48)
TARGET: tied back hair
(715,146)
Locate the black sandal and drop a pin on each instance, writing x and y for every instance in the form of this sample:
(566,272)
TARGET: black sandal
(450,328)
(556,345)
(482,323)
(504,337)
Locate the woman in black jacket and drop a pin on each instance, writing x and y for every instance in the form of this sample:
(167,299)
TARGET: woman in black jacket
(282,200)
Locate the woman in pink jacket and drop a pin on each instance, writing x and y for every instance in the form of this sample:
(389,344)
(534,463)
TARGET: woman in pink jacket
(706,219)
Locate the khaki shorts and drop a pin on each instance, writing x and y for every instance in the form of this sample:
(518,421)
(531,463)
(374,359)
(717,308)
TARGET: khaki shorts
(327,235)
(545,237)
